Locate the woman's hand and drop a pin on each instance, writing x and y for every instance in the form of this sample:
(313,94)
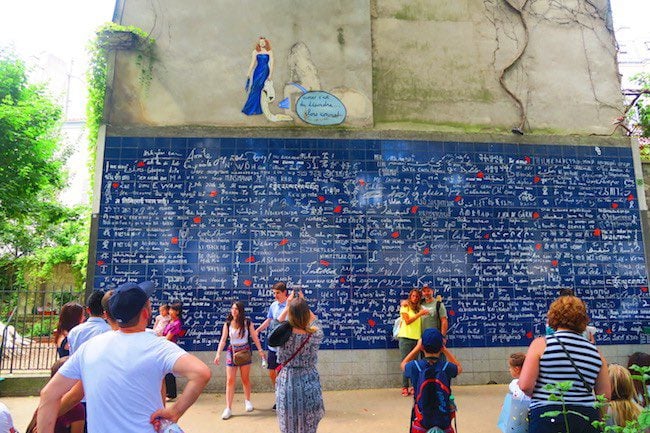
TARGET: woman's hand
(216,359)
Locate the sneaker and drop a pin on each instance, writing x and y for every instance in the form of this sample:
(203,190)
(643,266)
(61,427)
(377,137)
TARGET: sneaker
(227,413)
(248,405)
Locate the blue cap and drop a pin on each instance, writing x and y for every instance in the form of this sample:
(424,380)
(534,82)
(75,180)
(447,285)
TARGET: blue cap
(128,299)
(432,340)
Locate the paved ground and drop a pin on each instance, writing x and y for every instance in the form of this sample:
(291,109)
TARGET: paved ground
(363,411)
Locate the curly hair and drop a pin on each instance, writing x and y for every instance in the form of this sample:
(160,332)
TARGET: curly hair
(568,312)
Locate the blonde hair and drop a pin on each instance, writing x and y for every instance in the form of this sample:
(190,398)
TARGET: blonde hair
(300,315)
(622,406)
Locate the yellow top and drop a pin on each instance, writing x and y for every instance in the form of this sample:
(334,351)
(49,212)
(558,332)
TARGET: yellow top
(414,330)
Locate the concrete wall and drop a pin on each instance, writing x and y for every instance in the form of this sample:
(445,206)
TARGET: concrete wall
(418,63)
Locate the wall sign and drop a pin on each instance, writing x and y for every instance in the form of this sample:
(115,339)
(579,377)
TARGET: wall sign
(320,108)
(495,228)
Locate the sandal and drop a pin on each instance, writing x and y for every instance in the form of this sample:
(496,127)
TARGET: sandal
(405,392)
(411,391)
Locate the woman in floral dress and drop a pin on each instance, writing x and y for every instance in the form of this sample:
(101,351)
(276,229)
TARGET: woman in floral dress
(298,392)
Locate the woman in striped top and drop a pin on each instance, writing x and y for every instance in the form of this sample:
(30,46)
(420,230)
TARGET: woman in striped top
(547,362)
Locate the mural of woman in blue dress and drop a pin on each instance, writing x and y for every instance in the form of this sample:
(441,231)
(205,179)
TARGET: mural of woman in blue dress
(262,61)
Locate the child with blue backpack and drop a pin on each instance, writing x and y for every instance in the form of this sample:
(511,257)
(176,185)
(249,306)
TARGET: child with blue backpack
(433,407)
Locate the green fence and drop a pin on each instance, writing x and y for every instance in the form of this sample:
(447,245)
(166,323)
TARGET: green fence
(27,320)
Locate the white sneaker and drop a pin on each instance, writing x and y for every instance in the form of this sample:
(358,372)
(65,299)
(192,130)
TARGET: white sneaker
(248,405)
(227,413)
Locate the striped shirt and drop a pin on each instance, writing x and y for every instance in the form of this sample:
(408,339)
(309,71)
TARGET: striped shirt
(554,366)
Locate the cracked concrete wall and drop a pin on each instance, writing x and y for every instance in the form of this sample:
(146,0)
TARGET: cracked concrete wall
(418,63)
(439,62)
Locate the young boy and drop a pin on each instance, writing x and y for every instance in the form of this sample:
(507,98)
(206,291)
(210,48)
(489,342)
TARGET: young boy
(432,378)
(515,363)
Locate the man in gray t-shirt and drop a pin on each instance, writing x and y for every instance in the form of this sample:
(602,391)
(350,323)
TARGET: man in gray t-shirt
(438,316)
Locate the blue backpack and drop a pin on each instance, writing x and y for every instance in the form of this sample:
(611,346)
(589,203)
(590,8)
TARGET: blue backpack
(433,405)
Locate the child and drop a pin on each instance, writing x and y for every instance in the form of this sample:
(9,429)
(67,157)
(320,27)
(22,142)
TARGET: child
(622,407)
(162,320)
(431,377)
(515,363)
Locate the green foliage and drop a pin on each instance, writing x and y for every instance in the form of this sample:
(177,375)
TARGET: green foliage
(105,41)
(639,115)
(640,425)
(31,171)
(43,328)
(36,231)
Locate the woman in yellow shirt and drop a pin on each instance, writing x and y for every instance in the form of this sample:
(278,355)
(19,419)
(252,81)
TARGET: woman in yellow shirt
(410,330)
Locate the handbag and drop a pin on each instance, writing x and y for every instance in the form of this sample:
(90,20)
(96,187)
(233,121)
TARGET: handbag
(243,356)
(279,367)
(280,334)
(396,325)
(514,415)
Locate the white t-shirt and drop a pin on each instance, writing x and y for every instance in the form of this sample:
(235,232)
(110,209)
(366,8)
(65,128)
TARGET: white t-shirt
(516,392)
(6,423)
(122,376)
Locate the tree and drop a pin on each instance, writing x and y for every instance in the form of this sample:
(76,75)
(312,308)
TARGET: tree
(640,112)
(36,231)
(31,172)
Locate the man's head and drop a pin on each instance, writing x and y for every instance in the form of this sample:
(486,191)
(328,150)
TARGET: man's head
(427,293)
(94,303)
(127,302)
(280,291)
(432,341)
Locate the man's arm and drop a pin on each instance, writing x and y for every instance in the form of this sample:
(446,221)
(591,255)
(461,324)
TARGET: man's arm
(71,398)
(48,406)
(451,358)
(265,324)
(412,355)
(198,375)
(444,325)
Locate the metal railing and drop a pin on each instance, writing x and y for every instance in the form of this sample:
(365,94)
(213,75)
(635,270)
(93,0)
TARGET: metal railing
(27,321)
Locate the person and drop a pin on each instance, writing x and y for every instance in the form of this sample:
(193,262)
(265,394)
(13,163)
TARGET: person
(73,420)
(95,324)
(172,332)
(564,356)
(590,331)
(6,422)
(515,364)
(298,390)
(410,330)
(434,409)
(122,371)
(280,294)
(72,314)
(239,330)
(642,360)
(262,61)
(107,313)
(622,407)
(162,320)
(437,317)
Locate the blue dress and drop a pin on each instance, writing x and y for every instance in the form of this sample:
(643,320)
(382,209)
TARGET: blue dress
(260,74)
(298,392)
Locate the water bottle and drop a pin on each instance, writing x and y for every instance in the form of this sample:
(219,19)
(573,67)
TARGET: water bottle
(166,426)
(264,363)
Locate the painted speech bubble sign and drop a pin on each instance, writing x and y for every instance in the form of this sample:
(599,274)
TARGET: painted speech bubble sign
(320,108)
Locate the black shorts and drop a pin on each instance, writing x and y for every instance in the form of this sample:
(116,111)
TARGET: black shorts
(272,359)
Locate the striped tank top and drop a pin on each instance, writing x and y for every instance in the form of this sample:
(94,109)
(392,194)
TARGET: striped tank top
(554,366)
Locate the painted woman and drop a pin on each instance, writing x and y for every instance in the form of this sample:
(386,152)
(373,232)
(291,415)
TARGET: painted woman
(260,70)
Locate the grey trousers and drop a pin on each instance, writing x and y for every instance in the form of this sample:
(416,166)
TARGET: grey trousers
(405,347)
